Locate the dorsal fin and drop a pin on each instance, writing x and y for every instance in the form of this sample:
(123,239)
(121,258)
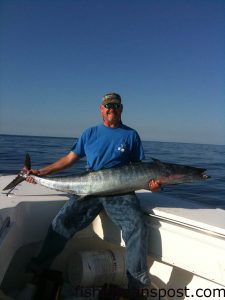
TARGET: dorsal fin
(157,161)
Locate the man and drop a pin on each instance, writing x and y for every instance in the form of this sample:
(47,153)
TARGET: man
(107,145)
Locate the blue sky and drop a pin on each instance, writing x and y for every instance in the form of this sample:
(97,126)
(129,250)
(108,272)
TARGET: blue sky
(165,58)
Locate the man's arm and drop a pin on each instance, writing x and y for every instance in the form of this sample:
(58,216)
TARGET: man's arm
(61,164)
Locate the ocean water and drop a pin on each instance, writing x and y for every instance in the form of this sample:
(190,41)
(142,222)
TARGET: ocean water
(45,150)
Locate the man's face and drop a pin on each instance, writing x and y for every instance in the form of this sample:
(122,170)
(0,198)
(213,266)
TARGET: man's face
(111,115)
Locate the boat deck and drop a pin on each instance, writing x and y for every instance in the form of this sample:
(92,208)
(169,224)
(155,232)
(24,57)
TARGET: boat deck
(186,240)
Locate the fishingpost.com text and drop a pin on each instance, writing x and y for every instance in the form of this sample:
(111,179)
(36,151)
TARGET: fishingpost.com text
(200,293)
(161,293)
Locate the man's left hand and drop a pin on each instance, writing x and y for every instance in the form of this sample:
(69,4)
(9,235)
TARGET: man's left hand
(154,185)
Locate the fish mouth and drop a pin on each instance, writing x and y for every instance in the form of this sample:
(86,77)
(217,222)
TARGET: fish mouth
(204,176)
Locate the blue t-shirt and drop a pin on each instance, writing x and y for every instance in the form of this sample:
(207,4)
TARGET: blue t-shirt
(106,147)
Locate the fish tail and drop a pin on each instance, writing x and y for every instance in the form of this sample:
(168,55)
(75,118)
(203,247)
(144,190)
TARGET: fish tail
(21,176)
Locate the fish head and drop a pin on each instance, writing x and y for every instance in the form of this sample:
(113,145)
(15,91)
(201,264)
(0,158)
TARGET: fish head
(175,173)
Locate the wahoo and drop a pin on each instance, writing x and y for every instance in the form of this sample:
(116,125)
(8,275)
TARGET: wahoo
(117,180)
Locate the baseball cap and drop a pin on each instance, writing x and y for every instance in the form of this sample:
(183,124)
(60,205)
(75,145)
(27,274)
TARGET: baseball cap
(111,98)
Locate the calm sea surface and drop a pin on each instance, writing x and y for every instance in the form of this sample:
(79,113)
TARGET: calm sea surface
(45,150)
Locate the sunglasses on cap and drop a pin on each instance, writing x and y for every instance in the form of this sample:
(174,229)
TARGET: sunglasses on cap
(112,105)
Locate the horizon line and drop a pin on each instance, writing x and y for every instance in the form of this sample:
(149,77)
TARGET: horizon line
(65,137)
